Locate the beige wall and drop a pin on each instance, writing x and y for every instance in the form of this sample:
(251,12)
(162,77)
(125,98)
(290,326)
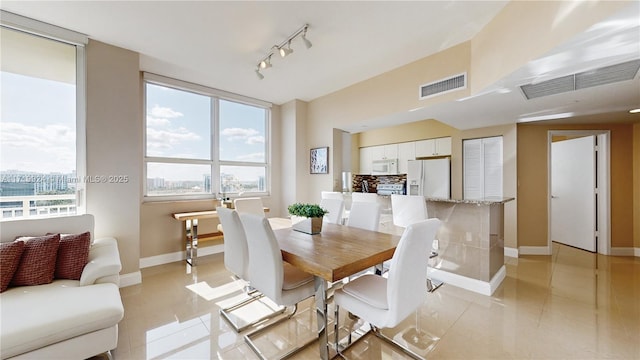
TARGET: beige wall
(636,186)
(425,129)
(114,146)
(161,234)
(532,172)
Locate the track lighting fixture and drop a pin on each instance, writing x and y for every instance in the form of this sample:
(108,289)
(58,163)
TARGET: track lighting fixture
(265,63)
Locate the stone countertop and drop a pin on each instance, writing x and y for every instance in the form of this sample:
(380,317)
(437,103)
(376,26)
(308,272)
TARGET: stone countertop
(483,201)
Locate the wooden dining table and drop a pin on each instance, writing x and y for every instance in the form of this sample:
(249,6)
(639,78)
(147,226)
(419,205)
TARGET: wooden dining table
(337,252)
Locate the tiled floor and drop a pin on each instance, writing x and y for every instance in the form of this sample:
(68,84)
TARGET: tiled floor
(571,305)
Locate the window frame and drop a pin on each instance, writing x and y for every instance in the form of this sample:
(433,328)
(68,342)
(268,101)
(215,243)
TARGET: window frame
(215,163)
(51,32)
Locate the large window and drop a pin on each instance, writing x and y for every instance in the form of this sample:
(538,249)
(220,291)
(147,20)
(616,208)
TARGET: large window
(202,142)
(41,120)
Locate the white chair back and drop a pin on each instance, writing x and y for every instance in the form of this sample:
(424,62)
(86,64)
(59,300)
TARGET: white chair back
(408,209)
(364,197)
(249,205)
(364,215)
(335,208)
(406,284)
(236,252)
(265,259)
(279,281)
(331,195)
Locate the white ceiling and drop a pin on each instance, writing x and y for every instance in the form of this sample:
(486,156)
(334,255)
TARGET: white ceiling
(218,44)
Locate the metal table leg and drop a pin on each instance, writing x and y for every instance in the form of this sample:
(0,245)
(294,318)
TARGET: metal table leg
(192,241)
(321,312)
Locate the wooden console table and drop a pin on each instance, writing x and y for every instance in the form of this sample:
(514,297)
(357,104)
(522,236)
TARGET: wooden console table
(192,238)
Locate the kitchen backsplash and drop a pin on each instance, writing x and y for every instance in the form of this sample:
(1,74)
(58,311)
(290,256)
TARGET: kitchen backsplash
(374,180)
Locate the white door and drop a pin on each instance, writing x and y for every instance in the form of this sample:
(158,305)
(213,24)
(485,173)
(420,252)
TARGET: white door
(573,203)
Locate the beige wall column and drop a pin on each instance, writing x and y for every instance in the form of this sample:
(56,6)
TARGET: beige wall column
(114,146)
(294,154)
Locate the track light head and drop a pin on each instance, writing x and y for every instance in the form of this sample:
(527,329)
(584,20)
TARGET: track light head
(266,63)
(259,75)
(284,52)
(307,43)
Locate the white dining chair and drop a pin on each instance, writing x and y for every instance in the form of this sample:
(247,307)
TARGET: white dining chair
(364,215)
(406,210)
(335,208)
(331,195)
(236,260)
(364,197)
(385,302)
(251,205)
(281,282)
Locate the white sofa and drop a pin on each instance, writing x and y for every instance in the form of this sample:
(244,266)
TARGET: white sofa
(66,319)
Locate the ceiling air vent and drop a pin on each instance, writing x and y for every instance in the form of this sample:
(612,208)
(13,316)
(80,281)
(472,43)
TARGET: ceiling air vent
(600,76)
(443,86)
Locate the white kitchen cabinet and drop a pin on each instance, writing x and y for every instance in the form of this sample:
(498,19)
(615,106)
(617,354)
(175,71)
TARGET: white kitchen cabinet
(390,151)
(406,152)
(433,147)
(377,152)
(366,159)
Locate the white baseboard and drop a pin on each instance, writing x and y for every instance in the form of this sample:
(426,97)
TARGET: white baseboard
(534,250)
(479,286)
(511,252)
(178,256)
(625,251)
(130,279)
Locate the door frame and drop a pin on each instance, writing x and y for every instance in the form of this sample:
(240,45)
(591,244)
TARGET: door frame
(603,176)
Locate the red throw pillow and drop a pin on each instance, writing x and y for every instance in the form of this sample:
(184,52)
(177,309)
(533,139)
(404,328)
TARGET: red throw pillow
(10,254)
(38,262)
(73,255)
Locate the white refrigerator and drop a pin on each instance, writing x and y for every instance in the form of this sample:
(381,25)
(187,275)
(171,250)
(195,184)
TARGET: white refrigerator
(429,178)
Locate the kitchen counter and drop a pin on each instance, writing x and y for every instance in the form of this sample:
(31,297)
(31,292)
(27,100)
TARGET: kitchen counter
(470,243)
(483,201)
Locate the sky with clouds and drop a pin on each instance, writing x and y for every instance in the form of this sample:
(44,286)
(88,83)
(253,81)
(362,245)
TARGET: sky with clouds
(178,126)
(37,125)
(38,129)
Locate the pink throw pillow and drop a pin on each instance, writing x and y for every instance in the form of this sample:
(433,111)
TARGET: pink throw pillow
(38,262)
(73,255)
(10,254)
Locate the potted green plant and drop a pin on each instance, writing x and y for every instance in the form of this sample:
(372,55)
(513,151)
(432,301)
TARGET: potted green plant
(307,218)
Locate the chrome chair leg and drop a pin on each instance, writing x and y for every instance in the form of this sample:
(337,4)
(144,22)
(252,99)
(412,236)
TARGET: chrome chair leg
(391,341)
(254,348)
(433,285)
(226,312)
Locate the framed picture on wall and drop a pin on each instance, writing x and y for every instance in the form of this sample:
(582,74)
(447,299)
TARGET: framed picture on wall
(319,160)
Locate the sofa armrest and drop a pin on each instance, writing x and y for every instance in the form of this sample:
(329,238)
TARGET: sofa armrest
(104,263)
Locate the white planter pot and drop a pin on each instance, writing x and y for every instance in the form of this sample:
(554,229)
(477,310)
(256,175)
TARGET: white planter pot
(306,225)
